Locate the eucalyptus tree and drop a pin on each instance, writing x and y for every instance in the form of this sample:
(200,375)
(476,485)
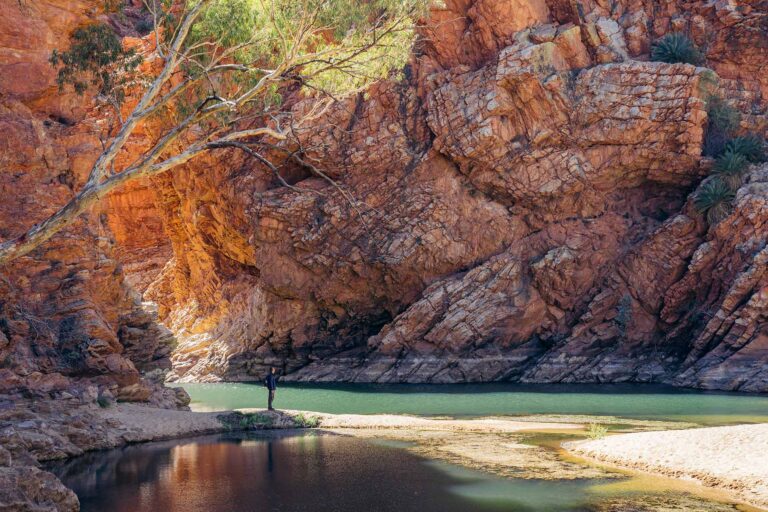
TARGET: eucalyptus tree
(226,67)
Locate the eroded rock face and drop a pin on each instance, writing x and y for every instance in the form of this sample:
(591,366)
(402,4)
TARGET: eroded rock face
(518,208)
(68,318)
(522,214)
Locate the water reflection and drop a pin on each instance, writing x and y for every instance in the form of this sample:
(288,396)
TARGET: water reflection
(292,472)
(248,473)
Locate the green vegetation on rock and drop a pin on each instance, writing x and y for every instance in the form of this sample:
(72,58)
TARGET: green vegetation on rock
(750,146)
(713,199)
(730,166)
(305,421)
(676,47)
(245,421)
(96,58)
(722,123)
(733,154)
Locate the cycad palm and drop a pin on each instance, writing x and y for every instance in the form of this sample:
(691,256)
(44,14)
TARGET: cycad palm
(714,199)
(676,47)
(730,167)
(751,146)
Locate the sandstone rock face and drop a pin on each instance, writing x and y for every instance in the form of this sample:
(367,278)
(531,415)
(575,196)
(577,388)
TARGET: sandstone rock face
(521,212)
(518,208)
(67,315)
(34,430)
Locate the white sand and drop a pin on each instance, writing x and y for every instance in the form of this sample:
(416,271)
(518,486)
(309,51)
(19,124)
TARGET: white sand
(731,458)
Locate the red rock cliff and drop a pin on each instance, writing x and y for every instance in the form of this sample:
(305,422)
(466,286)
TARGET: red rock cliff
(521,212)
(66,310)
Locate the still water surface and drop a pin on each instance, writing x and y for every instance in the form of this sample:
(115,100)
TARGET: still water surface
(629,401)
(251,472)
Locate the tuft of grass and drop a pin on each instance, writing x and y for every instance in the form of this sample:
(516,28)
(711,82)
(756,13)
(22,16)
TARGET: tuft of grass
(714,199)
(750,146)
(303,421)
(596,431)
(722,122)
(676,47)
(250,421)
(730,167)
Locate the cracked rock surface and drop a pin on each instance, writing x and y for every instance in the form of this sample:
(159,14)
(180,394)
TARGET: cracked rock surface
(522,211)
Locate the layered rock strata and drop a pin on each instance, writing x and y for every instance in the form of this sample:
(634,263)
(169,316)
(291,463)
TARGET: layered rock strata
(518,207)
(521,212)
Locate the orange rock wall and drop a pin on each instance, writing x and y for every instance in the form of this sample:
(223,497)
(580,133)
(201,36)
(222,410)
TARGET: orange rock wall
(523,214)
(66,310)
(521,211)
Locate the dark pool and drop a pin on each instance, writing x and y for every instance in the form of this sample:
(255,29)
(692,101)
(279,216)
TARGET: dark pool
(314,472)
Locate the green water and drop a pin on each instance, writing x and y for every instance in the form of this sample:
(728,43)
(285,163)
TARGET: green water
(628,401)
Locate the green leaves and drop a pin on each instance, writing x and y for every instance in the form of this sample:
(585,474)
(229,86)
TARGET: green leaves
(95,58)
(750,146)
(722,122)
(713,199)
(676,47)
(730,167)
(334,46)
(733,155)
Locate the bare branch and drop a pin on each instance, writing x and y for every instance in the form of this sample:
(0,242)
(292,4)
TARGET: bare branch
(91,194)
(270,165)
(102,163)
(223,107)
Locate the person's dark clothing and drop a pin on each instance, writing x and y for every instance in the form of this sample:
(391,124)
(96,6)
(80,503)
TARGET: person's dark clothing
(271,383)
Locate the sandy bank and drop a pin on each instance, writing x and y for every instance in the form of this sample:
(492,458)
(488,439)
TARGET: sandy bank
(730,458)
(146,423)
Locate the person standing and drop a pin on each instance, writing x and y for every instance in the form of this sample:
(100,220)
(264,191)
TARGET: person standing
(271,383)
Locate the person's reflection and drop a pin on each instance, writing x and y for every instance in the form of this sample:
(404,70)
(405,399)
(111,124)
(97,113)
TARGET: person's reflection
(270,461)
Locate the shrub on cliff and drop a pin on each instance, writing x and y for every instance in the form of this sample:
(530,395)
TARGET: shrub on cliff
(750,146)
(714,199)
(722,123)
(676,47)
(730,167)
(96,58)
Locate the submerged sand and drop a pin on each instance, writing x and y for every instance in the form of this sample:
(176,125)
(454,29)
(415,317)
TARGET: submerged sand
(733,458)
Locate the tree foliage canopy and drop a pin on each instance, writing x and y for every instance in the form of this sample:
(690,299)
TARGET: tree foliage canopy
(96,58)
(227,66)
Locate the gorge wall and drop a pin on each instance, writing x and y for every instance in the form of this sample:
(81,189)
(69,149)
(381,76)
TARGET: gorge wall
(72,324)
(517,208)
